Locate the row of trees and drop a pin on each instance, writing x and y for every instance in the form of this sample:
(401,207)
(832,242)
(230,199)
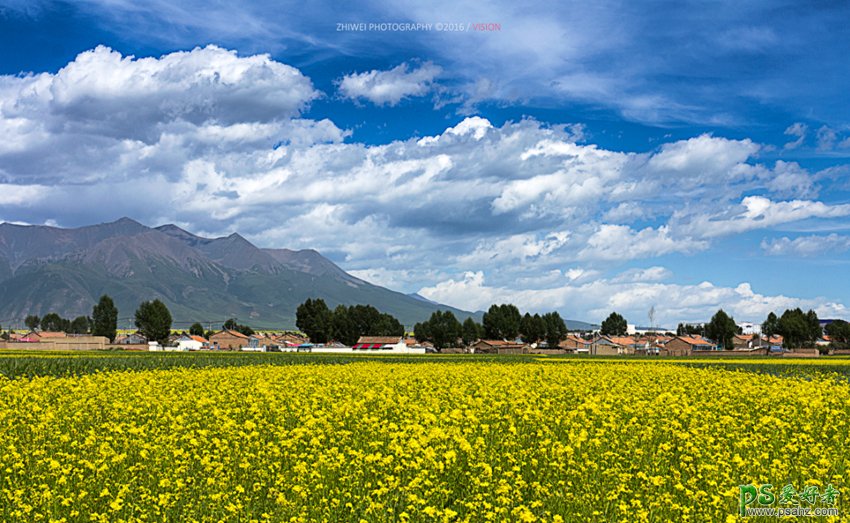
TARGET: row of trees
(56,323)
(839,332)
(153,319)
(345,323)
(797,328)
(102,322)
(500,322)
(444,330)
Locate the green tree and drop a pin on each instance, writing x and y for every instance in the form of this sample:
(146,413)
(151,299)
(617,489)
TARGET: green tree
(443,329)
(104,318)
(80,325)
(722,329)
(196,330)
(689,329)
(471,331)
(795,328)
(815,330)
(770,325)
(502,322)
(386,325)
(314,318)
(32,322)
(344,329)
(153,319)
(422,331)
(555,330)
(532,328)
(52,322)
(350,323)
(614,325)
(838,332)
(232,325)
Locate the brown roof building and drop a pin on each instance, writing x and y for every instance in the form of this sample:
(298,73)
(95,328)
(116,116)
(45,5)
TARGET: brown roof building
(685,346)
(228,339)
(44,335)
(573,343)
(498,347)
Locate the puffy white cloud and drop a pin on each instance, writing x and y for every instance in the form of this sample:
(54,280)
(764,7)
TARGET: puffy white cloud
(516,248)
(392,86)
(703,159)
(167,140)
(806,245)
(104,93)
(758,212)
(620,242)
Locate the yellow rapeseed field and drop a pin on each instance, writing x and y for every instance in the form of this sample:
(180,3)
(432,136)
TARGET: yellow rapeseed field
(444,441)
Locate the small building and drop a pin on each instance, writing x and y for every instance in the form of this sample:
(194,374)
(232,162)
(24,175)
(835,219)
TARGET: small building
(131,339)
(193,343)
(823,341)
(37,336)
(377,342)
(575,344)
(73,343)
(289,340)
(229,340)
(686,345)
(743,341)
(613,345)
(626,344)
(380,344)
(498,347)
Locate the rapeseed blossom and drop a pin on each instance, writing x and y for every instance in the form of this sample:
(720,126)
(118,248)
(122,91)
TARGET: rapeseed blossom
(443,441)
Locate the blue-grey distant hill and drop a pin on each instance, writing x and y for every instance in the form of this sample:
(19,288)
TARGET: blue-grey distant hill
(49,269)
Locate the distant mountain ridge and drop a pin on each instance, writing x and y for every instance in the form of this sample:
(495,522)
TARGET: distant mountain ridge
(49,269)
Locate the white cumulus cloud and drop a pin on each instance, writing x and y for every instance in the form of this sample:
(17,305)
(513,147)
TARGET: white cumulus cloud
(392,86)
(806,245)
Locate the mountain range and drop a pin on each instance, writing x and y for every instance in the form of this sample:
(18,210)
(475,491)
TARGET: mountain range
(49,269)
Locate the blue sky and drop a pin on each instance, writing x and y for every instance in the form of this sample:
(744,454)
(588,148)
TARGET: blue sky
(587,157)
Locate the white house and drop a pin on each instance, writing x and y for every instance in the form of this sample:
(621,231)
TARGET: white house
(186,343)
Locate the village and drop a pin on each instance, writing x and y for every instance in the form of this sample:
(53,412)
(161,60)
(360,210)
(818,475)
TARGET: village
(591,343)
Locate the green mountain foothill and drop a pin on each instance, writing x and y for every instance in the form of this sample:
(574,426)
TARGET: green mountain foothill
(48,269)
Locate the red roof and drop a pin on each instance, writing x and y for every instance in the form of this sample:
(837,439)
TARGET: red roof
(694,340)
(501,343)
(369,345)
(48,334)
(383,340)
(232,333)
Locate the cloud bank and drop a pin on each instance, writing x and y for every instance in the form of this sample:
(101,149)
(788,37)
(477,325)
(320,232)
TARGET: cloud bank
(217,142)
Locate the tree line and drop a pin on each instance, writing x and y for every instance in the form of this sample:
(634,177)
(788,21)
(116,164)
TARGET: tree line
(152,319)
(345,324)
(797,328)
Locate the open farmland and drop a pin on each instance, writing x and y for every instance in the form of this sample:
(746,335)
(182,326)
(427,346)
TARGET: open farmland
(422,439)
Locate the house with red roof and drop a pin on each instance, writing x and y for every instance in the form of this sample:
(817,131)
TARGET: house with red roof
(227,339)
(498,347)
(686,345)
